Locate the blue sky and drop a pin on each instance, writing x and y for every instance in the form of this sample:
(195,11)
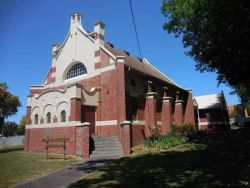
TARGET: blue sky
(29,29)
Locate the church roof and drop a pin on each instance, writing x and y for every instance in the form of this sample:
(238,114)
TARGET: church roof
(208,101)
(142,66)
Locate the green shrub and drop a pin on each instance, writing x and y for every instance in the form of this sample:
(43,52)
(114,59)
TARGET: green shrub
(165,142)
(185,129)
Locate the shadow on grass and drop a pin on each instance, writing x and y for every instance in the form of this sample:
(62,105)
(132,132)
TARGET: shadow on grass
(214,160)
(11,149)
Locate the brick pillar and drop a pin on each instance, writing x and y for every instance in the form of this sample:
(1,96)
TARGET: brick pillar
(189,112)
(126,137)
(28,115)
(75,109)
(178,112)
(150,110)
(27,130)
(166,115)
(82,140)
(120,88)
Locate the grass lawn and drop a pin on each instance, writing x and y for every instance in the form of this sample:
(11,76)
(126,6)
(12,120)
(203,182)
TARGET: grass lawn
(17,166)
(215,160)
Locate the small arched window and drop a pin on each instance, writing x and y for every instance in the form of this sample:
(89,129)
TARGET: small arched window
(36,119)
(63,116)
(76,70)
(48,119)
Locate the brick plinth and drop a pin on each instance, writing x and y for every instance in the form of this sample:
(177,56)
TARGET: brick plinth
(82,140)
(138,135)
(150,113)
(166,115)
(178,113)
(126,137)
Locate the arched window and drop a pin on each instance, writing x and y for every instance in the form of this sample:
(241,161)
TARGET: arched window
(76,70)
(63,116)
(48,119)
(36,119)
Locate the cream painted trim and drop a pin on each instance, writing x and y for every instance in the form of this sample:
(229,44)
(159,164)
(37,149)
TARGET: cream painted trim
(213,123)
(138,122)
(54,125)
(159,122)
(88,75)
(85,33)
(105,123)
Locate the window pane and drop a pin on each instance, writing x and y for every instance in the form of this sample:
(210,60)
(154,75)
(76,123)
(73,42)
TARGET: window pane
(48,117)
(36,119)
(76,70)
(63,116)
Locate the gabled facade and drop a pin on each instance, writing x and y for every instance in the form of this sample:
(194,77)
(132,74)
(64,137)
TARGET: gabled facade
(94,88)
(211,112)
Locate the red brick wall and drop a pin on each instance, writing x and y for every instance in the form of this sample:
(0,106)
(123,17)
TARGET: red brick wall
(126,138)
(121,102)
(107,130)
(166,116)
(150,118)
(189,111)
(28,115)
(178,114)
(75,109)
(34,141)
(82,141)
(138,135)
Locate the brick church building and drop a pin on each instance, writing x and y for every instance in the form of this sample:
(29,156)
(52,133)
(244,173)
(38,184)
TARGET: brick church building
(93,88)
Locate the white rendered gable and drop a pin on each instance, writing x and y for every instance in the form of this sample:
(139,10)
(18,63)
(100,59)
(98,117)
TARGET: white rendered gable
(78,48)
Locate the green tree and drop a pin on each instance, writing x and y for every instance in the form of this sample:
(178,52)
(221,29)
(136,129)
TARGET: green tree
(8,103)
(21,127)
(215,33)
(10,129)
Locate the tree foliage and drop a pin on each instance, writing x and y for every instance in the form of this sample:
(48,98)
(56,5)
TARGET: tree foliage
(10,129)
(8,103)
(216,35)
(21,127)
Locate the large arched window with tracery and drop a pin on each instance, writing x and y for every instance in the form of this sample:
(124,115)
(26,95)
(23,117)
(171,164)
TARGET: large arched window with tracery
(76,70)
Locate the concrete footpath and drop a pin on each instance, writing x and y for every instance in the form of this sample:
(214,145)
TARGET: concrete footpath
(64,177)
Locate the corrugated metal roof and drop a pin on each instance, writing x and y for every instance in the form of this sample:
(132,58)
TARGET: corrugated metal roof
(144,67)
(208,101)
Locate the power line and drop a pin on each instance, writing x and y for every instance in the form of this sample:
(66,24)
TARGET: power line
(137,38)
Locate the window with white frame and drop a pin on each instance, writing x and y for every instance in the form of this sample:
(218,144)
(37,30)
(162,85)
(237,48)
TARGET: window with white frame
(76,70)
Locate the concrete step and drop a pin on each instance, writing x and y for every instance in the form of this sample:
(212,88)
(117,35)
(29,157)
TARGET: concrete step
(107,142)
(93,157)
(108,147)
(107,152)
